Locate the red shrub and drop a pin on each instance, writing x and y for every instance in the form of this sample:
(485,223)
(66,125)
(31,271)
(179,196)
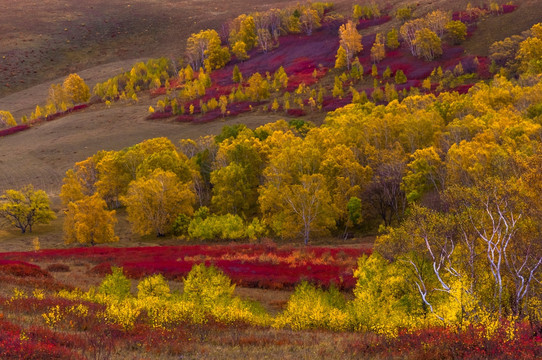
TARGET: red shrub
(35,347)
(22,269)
(160,115)
(14,129)
(367,23)
(296,112)
(58,268)
(509,8)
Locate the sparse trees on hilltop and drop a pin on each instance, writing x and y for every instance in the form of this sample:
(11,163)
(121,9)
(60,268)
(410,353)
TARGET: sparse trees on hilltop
(205,49)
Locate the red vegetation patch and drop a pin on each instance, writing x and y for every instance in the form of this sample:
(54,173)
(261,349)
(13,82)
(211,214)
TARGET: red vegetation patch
(64,113)
(249,265)
(38,345)
(331,103)
(294,52)
(14,129)
(296,112)
(22,269)
(157,115)
(367,23)
(58,268)
(509,8)
(443,343)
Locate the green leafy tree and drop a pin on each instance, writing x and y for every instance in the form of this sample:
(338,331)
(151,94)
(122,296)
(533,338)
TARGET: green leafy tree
(115,284)
(340,58)
(392,39)
(400,77)
(26,207)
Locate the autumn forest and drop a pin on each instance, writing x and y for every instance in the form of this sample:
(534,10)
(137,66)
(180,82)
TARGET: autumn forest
(311,180)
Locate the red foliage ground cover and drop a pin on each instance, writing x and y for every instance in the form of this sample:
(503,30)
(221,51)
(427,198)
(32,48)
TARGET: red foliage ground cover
(367,23)
(445,343)
(14,129)
(32,346)
(300,52)
(248,265)
(22,269)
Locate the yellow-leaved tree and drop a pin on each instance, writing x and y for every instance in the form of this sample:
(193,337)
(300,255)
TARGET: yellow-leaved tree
(6,119)
(89,222)
(378,51)
(350,40)
(25,208)
(76,89)
(154,202)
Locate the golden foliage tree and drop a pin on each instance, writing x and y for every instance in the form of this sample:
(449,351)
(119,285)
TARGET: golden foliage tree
(89,222)
(309,20)
(301,208)
(457,31)
(239,49)
(428,44)
(350,40)
(204,49)
(243,29)
(26,207)
(6,119)
(76,89)
(154,202)
(530,52)
(378,51)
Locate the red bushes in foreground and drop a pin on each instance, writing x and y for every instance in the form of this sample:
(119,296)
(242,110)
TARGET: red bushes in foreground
(444,343)
(247,265)
(17,344)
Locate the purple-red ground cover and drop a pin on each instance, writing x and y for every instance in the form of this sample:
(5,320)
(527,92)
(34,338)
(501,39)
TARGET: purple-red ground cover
(446,343)
(247,265)
(13,130)
(33,345)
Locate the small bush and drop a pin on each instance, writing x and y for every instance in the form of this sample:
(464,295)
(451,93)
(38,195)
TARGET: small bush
(115,284)
(207,285)
(22,269)
(58,268)
(153,286)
